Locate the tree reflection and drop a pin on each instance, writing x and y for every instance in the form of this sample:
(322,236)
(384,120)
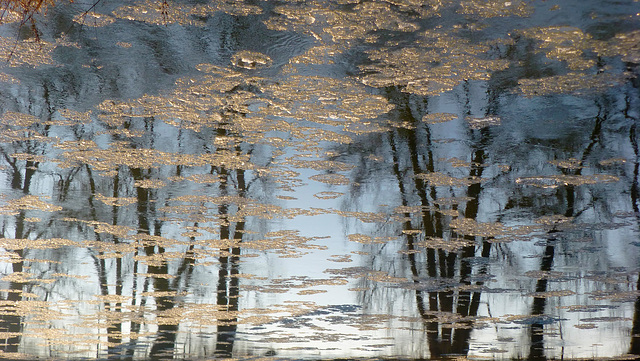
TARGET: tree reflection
(20,149)
(228,291)
(634,348)
(449,282)
(536,350)
(10,320)
(452,268)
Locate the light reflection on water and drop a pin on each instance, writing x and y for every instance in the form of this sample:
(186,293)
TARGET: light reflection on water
(321,180)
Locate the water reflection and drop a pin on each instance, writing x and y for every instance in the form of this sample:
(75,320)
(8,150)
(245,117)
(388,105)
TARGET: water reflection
(332,179)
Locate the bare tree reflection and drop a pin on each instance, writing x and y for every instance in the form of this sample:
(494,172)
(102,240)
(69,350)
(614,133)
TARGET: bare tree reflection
(228,291)
(228,281)
(567,192)
(452,268)
(634,348)
(23,148)
(10,320)
(536,349)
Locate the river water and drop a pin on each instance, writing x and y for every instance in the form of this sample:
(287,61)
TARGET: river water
(337,179)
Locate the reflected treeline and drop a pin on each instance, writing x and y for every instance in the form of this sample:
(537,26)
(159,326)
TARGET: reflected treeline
(634,348)
(10,320)
(453,297)
(487,158)
(449,263)
(568,194)
(20,180)
(143,275)
(228,291)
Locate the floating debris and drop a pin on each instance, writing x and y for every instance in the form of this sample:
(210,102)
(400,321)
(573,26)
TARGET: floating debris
(495,8)
(94,19)
(564,180)
(328,195)
(333,179)
(479,123)
(250,60)
(439,179)
(434,118)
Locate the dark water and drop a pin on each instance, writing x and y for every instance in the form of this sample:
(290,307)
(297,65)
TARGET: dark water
(321,180)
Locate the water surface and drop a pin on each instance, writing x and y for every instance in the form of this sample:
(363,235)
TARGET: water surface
(321,180)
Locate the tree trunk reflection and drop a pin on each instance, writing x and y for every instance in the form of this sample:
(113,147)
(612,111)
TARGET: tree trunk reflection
(10,320)
(536,349)
(450,268)
(228,291)
(634,348)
